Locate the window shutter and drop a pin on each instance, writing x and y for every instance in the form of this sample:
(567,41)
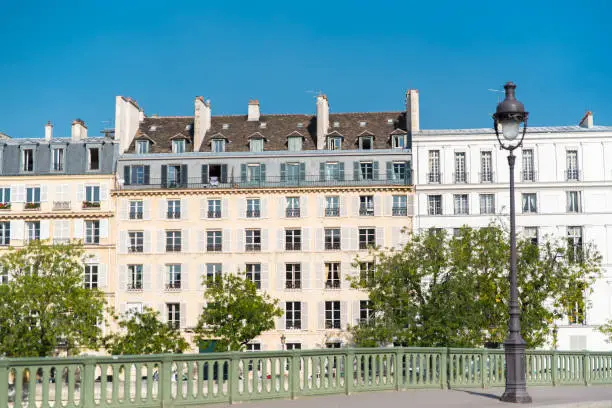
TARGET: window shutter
(262,172)
(184,276)
(280,321)
(104,228)
(79,225)
(318,272)
(345,238)
(302,171)
(410,204)
(202,276)
(304,206)
(282,205)
(102,276)
(126,175)
(264,207)
(161,277)
(321,311)
(146,209)
(280,276)
(341,173)
(304,310)
(163,312)
(380,236)
(103,192)
(343,203)
(389,170)
(203,209)
(280,233)
(264,240)
(161,242)
(242,205)
(321,171)
(122,277)
(343,314)
(306,284)
(183,312)
(243,173)
(44,229)
(375,170)
(321,206)
(354,242)
(355,205)
(205,174)
(264,277)
(123,209)
(184,207)
(147,278)
(388,206)
(225,208)
(162,204)
(201,241)
(80,193)
(226,240)
(355,313)
(240,240)
(164,175)
(319,239)
(147,174)
(17,229)
(223,173)
(283,172)
(147,242)
(123,237)
(184,177)
(356,171)
(378,210)
(43,193)
(185,240)
(306,239)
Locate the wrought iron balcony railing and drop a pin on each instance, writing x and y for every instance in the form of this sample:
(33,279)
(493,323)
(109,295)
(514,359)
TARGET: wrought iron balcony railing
(461,177)
(332,245)
(572,175)
(293,246)
(253,247)
(61,205)
(399,211)
(253,213)
(332,212)
(292,212)
(214,247)
(487,177)
(529,175)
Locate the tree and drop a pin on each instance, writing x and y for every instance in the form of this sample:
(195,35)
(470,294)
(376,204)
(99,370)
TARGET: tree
(45,305)
(606,330)
(235,313)
(144,333)
(453,291)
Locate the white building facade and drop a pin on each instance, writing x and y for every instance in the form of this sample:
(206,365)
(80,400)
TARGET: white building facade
(563,189)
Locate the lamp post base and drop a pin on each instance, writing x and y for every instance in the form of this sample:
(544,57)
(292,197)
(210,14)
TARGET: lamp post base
(516,396)
(516,384)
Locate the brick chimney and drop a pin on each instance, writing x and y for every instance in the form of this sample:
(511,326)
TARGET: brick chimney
(201,122)
(322,121)
(253,113)
(587,120)
(79,130)
(49,131)
(412,111)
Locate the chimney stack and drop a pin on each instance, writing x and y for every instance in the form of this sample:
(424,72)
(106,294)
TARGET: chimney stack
(48,131)
(253,114)
(412,111)
(128,116)
(587,120)
(322,121)
(201,122)
(79,130)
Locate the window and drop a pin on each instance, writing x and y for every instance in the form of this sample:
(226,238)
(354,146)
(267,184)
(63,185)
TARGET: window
(332,275)
(572,172)
(293,172)
(5,233)
(218,145)
(134,279)
(92,194)
(174,315)
(434,166)
(332,315)
(293,315)
(332,171)
(400,205)
(137,174)
(486,167)
(367,237)
(142,146)
(460,173)
(574,200)
(531,234)
(91,276)
(253,208)
(4,276)
(366,171)
(576,313)
(398,170)
(334,143)
(253,240)
(332,238)
(136,210)
(33,197)
(136,243)
(332,206)
(365,311)
(178,146)
(173,241)
(93,158)
(461,204)
(253,273)
(133,308)
(366,205)
(574,244)
(92,232)
(27,160)
(399,141)
(5,197)
(214,208)
(174,178)
(366,143)
(487,203)
(366,272)
(293,207)
(293,276)
(214,241)
(254,172)
(530,203)
(173,276)
(58,159)
(294,143)
(32,230)
(213,272)
(434,205)
(293,239)
(214,174)
(333,344)
(252,347)
(256,145)
(174,209)
(293,346)
(528,173)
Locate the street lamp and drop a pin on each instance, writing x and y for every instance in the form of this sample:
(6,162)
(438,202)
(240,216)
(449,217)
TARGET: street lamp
(283,339)
(509,115)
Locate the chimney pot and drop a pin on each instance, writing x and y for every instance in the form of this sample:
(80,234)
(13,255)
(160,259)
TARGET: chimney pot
(322,120)
(49,131)
(253,112)
(79,130)
(412,111)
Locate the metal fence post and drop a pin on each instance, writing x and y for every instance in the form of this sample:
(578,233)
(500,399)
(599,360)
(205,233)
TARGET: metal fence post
(4,379)
(553,368)
(348,371)
(586,368)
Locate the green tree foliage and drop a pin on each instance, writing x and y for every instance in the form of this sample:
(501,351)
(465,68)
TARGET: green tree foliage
(235,313)
(45,304)
(453,291)
(144,333)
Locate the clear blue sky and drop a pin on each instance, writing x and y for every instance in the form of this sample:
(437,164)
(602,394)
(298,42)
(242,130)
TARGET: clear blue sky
(63,61)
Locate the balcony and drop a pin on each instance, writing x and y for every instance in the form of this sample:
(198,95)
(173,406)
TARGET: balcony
(214,213)
(292,212)
(367,211)
(332,284)
(173,215)
(433,178)
(332,245)
(572,175)
(134,287)
(173,248)
(214,247)
(32,206)
(486,177)
(173,286)
(461,177)
(91,205)
(399,211)
(529,176)
(253,213)
(135,249)
(253,247)
(136,215)
(315,180)
(332,212)
(293,246)
(61,205)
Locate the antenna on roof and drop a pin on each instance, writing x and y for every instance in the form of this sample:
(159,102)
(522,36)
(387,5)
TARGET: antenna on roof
(496,90)
(107,129)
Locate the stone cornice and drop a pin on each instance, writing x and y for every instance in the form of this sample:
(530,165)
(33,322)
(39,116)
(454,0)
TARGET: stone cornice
(37,215)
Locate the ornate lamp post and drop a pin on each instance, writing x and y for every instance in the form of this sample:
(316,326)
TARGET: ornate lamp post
(510,114)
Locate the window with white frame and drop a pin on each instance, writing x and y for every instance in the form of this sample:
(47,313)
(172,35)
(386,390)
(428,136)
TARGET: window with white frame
(213,272)
(460,172)
(399,141)
(5,195)
(531,234)
(136,241)
(253,208)
(434,167)
(292,172)
(214,208)
(173,276)
(92,232)
(333,171)
(528,172)
(136,210)
(332,315)
(294,143)
(434,204)
(293,239)
(138,174)
(214,241)
(254,173)
(134,278)
(91,276)
(142,146)
(27,160)
(366,171)
(93,158)
(178,146)
(366,205)
(574,201)
(332,206)
(173,241)
(332,238)
(461,204)
(365,311)
(399,170)
(92,194)
(253,273)
(293,346)
(574,244)
(332,275)
(572,172)
(293,207)
(367,237)
(400,205)
(293,276)
(218,145)
(334,143)
(293,315)
(174,315)
(252,347)
(33,196)
(58,160)
(366,143)
(529,203)
(174,209)
(486,167)
(4,276)
(487,203)
(32,229)
(256,145)
(366,272)
(5,233)
(253,240)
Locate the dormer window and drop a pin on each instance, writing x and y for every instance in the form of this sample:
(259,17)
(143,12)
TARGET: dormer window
(366,143)
(334,143)
(218,145)
(225,126)
(336,124)
(142,146)
(58,159)
(263,125)
(153,128)
(399,141)
(294,143)
(300,125)
(178,146)
(27,160)
(363,124)
(256,145)
(93,158)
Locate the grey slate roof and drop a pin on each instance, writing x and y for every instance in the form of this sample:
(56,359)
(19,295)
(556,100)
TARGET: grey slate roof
(238,130)
(533,129)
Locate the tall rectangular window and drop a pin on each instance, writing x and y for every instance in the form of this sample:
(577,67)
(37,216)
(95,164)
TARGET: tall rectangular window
(218,145)
(134,279)
(254,173)
(434,204)
(529,203)
(91,276)
(461,204)
(173,176)
(332,206)
(290,172)
(32,229)
(92,232)
(399,170)
(173,241)
(27,160)
(399,141)
(366,171)
(178,146)
(293,315)
(574,200)
(486,167)
(332,275)
(531,234)
(136,243)
(136,210)
(528,172)
(5,233)
(366,272)
(293,207)
(334,143)
(174,209)
(253,209)
(253,273)
(365,311)
(332,315)
(213,272)
(214,208)
(332,171)
(367,237)
(58,159)
(293,239)
(137,174)
(92,194)
(173,278)
(572,172)
(142,146)
(460,172)
(5,196)
(487,203)
(400,206)
(174,315)
(332,238)
(366,205)
(293,276)
(93,158)
(574,244)
(4,276)
(33,195)
(214,241)
(253,240)
(434,167)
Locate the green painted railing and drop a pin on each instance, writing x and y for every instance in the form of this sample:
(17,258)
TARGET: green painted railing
(191,379)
